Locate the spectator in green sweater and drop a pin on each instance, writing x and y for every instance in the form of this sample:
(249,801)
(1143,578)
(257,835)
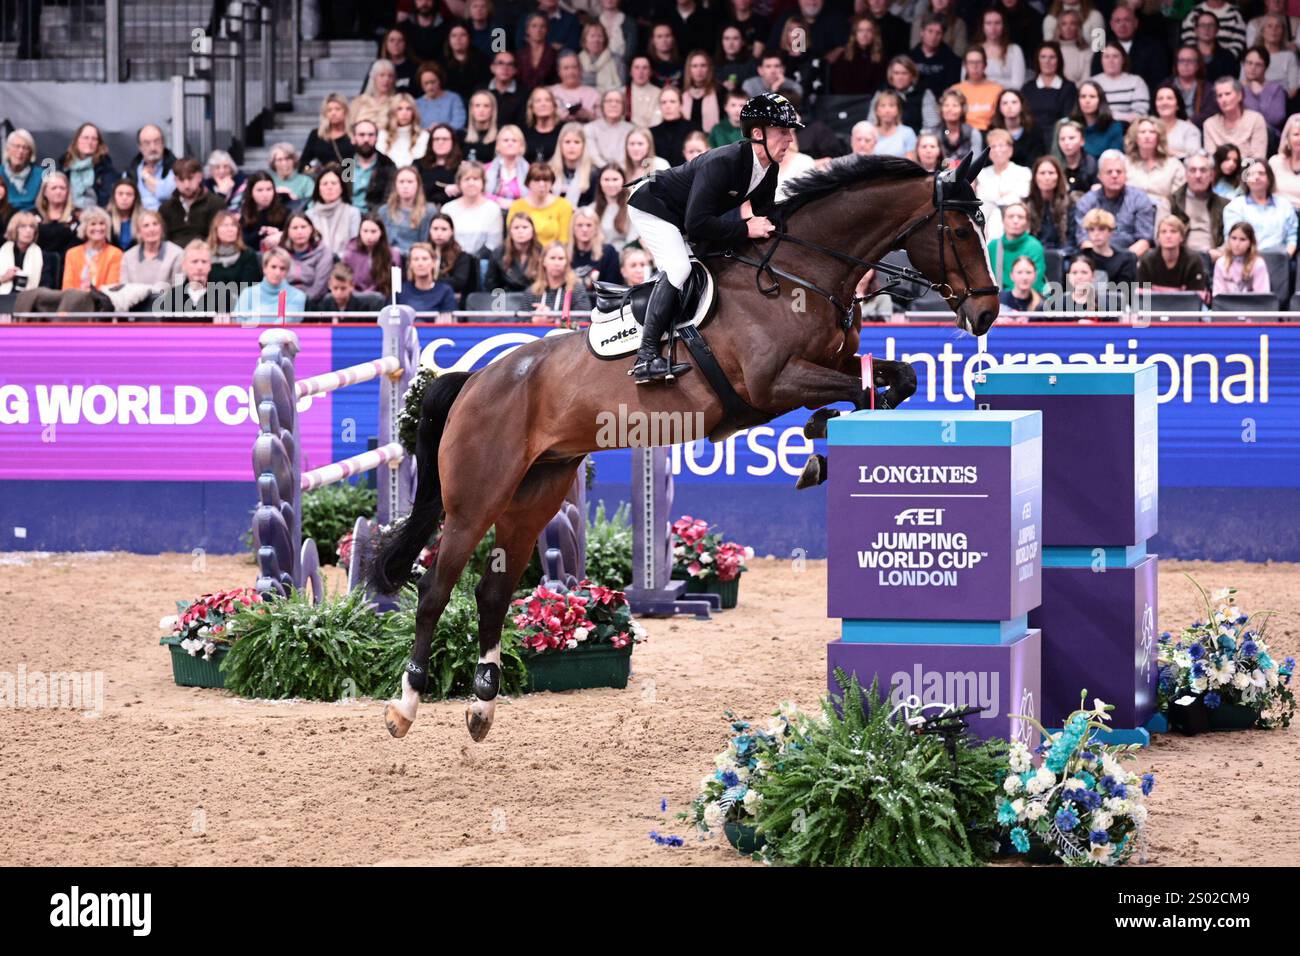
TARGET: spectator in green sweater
(727,130)
(1015,242)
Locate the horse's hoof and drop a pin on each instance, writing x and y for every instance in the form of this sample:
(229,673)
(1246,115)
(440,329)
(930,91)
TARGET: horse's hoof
(813,473)
(815,427)
(478,718)
(396,723)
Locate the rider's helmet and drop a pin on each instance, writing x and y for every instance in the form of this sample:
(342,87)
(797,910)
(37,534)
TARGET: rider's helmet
(768,109)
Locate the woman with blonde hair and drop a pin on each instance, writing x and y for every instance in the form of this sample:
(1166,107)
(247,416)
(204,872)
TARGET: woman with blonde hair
(1076,51)
(1150,167)
(401,138)
(858,67)
(1090,19)
(1285,163)
(639,157)
(478,220)
(593,259)
(422,290)
(152,260)
(607,133)
(557,290)
(263,300)
(541,125)
(407,213)
(376,98)
(600,67)
(88,167)
(96,262)
(21,259)
(330,141)
(58,232)
(506,172)
(479,140)
(573,167)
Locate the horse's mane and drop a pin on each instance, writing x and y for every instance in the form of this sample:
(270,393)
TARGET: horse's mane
(845,172)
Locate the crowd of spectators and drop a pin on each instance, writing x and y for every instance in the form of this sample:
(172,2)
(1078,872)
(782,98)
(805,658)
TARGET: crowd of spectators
(488,146)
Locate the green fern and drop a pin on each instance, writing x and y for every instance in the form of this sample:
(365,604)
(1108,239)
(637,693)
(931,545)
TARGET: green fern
(609,547)
(856,788)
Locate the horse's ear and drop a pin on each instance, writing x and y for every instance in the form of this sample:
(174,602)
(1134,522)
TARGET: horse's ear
(963,170)
(978,165)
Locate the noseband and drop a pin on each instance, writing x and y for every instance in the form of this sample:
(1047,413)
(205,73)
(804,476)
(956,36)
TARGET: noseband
(899,276)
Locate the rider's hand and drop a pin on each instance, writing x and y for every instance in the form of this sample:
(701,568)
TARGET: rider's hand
(760,227)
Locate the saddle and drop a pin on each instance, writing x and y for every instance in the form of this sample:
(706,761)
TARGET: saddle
(619,312)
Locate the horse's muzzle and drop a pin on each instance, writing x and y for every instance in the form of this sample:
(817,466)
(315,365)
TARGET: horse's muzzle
(975,316)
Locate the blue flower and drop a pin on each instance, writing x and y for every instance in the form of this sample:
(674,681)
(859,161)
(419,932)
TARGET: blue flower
(1243,619)
(1066,819)
(666,839)
(1020,839)
(1212,700)
(1088,756)
(1089,799)
(729,779)
(739,725)
(1227,643)
(1005,813)
(663,805)
(1198,669)
(1088,779)
(1165,637)
(1196,651)
(1148,783)
(1099,836)
(1266,662)
(1249,648)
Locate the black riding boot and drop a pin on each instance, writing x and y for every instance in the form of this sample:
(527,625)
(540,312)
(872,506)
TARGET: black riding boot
(661,310)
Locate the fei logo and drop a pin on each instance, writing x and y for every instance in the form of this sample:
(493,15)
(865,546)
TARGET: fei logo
(1023,728)
(932,517)
(1148,657)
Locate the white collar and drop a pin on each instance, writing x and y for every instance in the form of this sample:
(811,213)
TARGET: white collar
(1056,83)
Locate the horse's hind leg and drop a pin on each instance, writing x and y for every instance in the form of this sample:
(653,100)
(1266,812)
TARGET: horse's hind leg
(470,513)
(538,499)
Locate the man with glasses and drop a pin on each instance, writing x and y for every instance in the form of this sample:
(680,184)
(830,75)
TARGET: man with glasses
(1219,61)
(1229,25)
(505,89)
(151,169)
(1198,205)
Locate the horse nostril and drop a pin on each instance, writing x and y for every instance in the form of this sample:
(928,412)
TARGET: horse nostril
(984,322)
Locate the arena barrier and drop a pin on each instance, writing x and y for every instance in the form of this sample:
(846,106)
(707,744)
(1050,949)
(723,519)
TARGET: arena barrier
(996,558)
(285,561)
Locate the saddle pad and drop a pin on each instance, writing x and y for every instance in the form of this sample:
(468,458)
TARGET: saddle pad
(617,333)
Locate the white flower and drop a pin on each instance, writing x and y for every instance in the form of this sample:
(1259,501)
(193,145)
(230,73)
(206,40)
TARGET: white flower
(1011,785)
(1019,807)
(638,632)
(1138,812)
(1101,820)
(724,762)
(706,558)
(1198,685)
(1034,787)
(1099,709)
(1117,806)
(1018,758)
(1270,676)
(1220,595)
(1241,681)
(1111,766)
(752,799)
(1045,777)
(570,644)
(749,553)
(705,781)
(1035,810)
(714,816)
(742,773)
(1258,679)
(580,633)
(1099,852)
(1074,783)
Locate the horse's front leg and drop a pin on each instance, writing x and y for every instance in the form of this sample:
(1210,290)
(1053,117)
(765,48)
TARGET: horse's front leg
(893,382)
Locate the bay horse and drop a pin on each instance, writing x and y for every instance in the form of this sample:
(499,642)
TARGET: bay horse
(501,445)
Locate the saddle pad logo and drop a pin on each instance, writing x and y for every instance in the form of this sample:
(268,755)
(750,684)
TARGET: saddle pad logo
(617,334)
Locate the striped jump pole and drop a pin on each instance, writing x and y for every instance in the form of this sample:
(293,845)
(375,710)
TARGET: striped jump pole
(285,561)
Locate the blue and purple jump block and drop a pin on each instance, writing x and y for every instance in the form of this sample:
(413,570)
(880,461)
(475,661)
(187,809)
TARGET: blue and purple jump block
(1099,612)
(1100,449)
(934,559)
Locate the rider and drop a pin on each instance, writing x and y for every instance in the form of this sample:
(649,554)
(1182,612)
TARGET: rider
(689,202)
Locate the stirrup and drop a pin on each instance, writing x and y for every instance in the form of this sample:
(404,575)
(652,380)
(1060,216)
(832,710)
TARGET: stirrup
(657,370)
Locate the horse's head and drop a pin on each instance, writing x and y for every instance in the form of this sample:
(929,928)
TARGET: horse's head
(948,248)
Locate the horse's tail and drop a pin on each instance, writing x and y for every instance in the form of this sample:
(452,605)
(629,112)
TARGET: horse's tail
(394,555)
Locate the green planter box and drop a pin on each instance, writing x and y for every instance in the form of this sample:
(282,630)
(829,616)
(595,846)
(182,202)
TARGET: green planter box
(587,665)
(194,671)
(727,591)
(1231,717)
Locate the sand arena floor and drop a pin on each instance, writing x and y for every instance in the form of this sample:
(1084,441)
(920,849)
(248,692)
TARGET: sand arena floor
(179,776)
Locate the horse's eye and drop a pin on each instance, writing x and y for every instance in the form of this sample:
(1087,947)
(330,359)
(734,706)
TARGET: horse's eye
(963,232)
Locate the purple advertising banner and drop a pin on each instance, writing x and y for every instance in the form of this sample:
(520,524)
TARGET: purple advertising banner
(902,544)
(129,403)
(1000,679)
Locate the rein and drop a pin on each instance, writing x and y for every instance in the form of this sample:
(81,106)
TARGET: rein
(899,275)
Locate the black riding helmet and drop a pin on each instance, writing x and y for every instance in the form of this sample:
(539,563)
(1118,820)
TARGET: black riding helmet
(768,109)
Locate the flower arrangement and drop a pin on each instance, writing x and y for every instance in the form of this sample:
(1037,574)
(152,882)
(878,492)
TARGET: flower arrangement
(727,794)
(1225,661)
(1079,801)
(703,554)
(554,620)
(201,624)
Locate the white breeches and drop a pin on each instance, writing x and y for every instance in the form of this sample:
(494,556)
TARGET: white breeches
(665,243)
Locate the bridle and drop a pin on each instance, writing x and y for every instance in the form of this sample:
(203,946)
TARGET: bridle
(946,183)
